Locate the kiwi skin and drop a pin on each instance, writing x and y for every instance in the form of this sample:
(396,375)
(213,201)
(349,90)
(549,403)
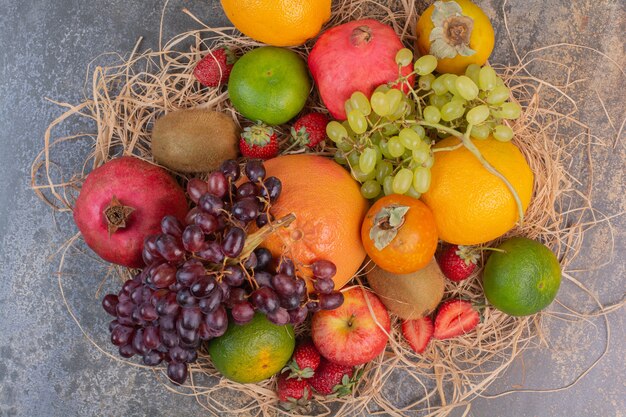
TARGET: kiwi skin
(409,296)
(194,140)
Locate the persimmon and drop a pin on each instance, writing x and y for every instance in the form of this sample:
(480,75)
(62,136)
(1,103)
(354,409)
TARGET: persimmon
(399,234)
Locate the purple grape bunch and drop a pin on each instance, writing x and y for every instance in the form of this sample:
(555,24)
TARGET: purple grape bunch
(198,272)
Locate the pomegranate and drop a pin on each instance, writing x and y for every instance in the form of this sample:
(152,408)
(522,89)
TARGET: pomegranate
(121,203)
(355,56)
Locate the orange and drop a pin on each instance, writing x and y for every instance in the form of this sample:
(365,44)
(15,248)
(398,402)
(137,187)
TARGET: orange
(470,204)
(404,247)
(278,22)
(329,209)
(480,33)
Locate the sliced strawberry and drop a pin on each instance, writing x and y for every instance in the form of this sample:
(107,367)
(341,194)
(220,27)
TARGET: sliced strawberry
(454,318)
(418,333)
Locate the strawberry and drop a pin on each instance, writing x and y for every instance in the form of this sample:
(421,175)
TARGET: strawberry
(418,333)
(214,69)
(310,129)
(293,392)
(454,318)
(331,378)
(304,361)
(259,141)
(458,262)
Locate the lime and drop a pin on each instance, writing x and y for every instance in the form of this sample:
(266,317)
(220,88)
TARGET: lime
(269,84)
(523,279)
(254,351)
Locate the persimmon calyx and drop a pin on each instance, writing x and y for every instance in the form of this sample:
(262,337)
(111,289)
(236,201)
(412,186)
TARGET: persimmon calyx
(452,31)
(386,225)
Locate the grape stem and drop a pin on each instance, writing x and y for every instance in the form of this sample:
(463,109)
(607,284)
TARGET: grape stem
(465,139)
(256,238)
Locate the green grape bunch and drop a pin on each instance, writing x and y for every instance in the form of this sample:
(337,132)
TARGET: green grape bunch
(387,140)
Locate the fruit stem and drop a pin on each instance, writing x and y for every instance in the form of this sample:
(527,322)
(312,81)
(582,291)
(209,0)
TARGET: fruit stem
(116,215)
(255,239)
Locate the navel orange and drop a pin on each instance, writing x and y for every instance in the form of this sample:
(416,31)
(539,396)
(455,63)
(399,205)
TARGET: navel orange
(329,208)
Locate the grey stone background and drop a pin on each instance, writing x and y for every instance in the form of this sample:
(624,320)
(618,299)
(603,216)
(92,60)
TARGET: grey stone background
(48,368)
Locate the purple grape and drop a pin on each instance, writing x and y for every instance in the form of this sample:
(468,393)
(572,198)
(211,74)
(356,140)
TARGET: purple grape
(168,338)
(187,275)
(170,249)
(211,302)
(190,218)
(151,337)
(168,306)
(217,319)
(149,244)
(212,253)
(265,300)
(225,288)
(301,288)
(207,222)
(323,269)
(218,184)
(246,209)
(192,355)
(121,335)
(109,303)
(263,258)
(272,190)
(202,287)
(177,372)
(211,204)
(191,318)
(124,309)
(233,242)
(186,335)
(136,316)
(263,278)
(125,321)
(123,297)
(195,344)
(196,188)
(298,315)
(127,351)
(222,222)
(233,276)
(286,267)
(255,171)
(313,306)
(193,237)
(263,219)
(280,316)
(136,296)
(331,301)
(251,261)
(113,324)
(148,312)
(186,299)
(177,286)
(178,354)
(129,286)
(163,275)
(138,344)
(242,312)
(324,286)
(152,358)
(170,225)
(283,285)
(237,295)
(204,332)
(230,168)
(149,257)
(247,189)
(167,323)
(290,302)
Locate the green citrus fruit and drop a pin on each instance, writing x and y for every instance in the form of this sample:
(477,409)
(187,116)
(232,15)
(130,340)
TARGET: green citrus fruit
(254,351)
(269,84)
(522,280)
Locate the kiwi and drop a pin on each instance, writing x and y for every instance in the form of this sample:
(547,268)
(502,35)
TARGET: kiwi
(194,140)
(409,296)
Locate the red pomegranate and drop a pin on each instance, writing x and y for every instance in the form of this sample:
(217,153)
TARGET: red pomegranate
(121,203)
(355,56)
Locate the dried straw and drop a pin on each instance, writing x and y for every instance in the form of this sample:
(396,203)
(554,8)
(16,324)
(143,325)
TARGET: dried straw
(124,98)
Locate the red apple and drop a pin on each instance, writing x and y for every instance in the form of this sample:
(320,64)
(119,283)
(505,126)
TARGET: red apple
(350,335)
(355,56)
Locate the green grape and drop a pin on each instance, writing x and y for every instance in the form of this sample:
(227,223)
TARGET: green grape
(384,148)
(425,64)
(400,110)
(336,131)
(503,133)
(498,95)
(499,82)
(340,157)
(477,115)
(419,130)
(458,100)
(466,87)
(345,145)
(370,189)
(402,181)
(421,179)
(353,159)
(347,106)
(396,148)
(367,160)
(430,161)
(409,138)
(383,88)
(407,154)
(379,154)
(390,129)
(487,79)
(432,114)
(420,155)
(451,111)
(439,101)
(357,121)
(425,82)
(510,110)
(380,103)
(404,57)
(360,176)
(376,137)
(359,101)
(481,131)
(412,193)
(438,86)
(346,126)
(383,168)
(449,80)
(394,97)
(388,185)
(472,71)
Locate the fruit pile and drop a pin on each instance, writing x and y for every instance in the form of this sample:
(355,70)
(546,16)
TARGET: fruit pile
(251,262)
